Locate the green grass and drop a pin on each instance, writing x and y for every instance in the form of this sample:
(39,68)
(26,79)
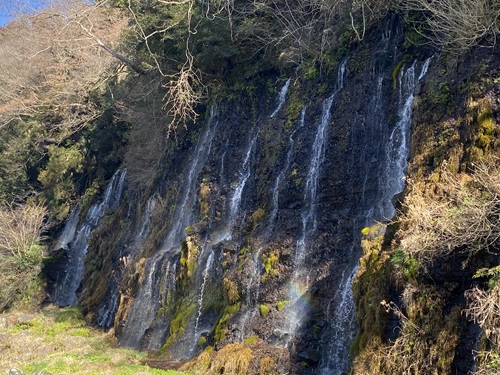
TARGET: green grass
(59,341)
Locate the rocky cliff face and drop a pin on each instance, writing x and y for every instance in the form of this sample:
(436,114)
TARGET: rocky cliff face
(250,238)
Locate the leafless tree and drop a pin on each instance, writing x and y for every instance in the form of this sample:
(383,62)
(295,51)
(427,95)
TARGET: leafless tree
(459,24)
(48,62)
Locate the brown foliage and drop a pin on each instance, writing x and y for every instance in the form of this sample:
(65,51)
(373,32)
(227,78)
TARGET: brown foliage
(49,63)
(465,216)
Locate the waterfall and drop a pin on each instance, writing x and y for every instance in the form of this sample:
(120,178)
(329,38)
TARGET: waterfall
(398,146)
(282,98)
(208,265)
(343,322)
(75,241)
(299,280)
(286,166)
(146,220)
(69,230)
(256,262)
(235,201)
(109,305)
(309,220)
(183,215)
(144,308)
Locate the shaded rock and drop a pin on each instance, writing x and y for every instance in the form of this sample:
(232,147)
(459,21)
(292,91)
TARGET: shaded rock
(311,357)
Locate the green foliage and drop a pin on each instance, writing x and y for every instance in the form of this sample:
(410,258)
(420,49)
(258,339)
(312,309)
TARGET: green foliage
(20,151)
(202,341)
(440,95)
(269,262)
(405,264)
(57,178)
(183,313)
(21,252)
(492,274)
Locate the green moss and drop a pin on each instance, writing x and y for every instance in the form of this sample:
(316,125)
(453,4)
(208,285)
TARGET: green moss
(281,305)
(70,314)
(397,69)
(316,330)
(293,110)
(251,340)
(202,340)
(270,261)
(486,126)
(220,328)
(264,310)
(179,321)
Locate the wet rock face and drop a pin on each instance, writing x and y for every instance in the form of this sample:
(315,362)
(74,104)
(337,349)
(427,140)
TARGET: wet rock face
(253,229)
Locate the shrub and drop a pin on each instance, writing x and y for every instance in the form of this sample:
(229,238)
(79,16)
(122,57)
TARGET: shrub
(21,252)
(465,216)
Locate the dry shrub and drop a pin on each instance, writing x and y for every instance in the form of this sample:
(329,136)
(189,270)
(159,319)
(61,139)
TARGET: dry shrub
(21,252)
(267,366)
(231,291)
(459,25)
(465,216)
(484,309)
(233,359)
(425,345)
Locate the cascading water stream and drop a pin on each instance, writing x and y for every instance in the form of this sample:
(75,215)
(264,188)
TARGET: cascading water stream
(343,322)
(282,98)
(298,283)
(106,313)
(255,271)
(69,231)
(141,314)
(235,201)
(205,275)
(144,308)
(65,290)
(309,220)
(397,149)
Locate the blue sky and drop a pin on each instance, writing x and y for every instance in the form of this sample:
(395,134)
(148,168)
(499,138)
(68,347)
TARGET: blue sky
(8,8)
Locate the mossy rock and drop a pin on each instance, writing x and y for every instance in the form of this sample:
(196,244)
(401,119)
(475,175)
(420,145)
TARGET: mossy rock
(281,305)
(264,310)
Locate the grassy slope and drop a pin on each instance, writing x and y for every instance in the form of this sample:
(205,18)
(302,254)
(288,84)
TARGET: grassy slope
(58,341)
